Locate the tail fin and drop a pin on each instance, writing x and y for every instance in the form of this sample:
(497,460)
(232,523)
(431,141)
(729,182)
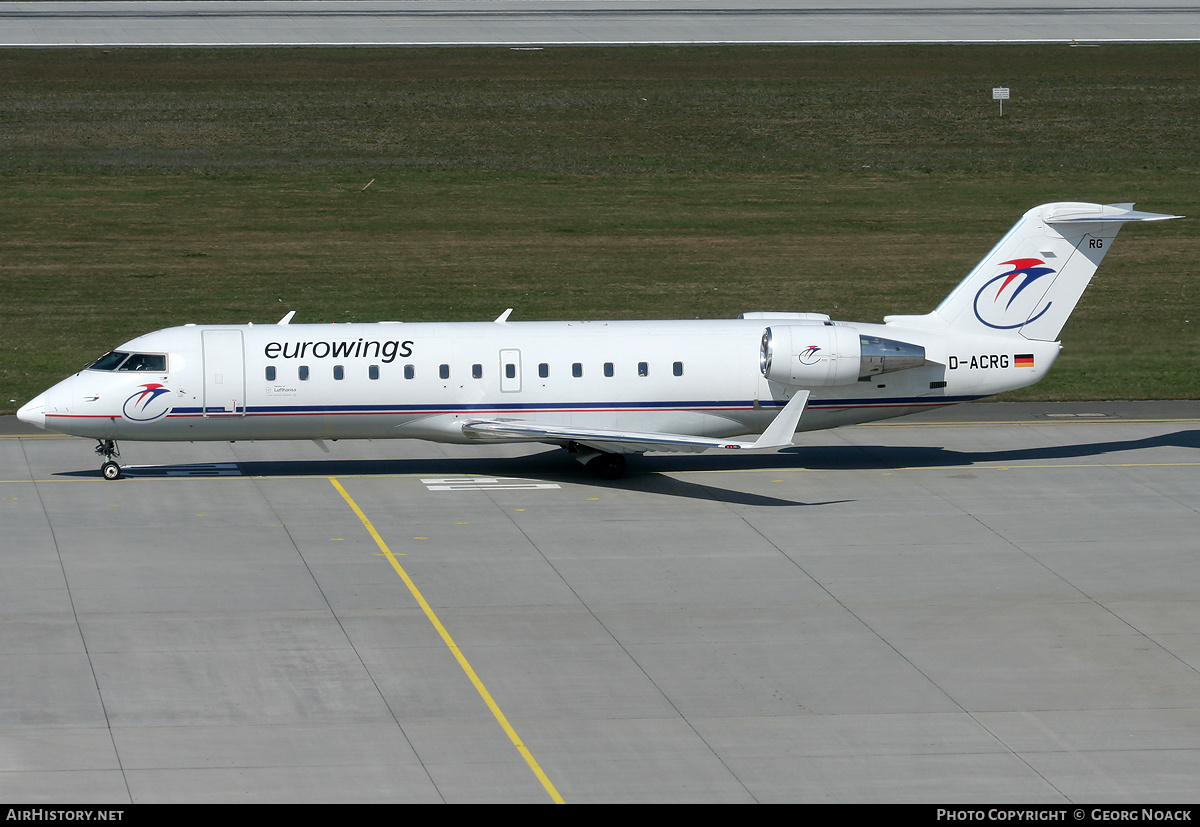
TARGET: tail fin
(1030,282)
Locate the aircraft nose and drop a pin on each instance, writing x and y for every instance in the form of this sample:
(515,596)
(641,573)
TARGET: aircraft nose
(34,412)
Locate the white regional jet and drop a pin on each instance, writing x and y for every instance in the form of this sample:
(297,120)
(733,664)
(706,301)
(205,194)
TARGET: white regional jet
(599,389)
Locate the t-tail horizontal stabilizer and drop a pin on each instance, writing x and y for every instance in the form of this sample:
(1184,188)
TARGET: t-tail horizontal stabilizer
(1030,282)
(777,435)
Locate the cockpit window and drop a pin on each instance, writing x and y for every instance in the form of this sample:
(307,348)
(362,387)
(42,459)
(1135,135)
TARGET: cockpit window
(144,362)
(108,361)
(151,362)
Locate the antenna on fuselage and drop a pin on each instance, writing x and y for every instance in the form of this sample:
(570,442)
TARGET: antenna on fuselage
(288,318)
(503,317)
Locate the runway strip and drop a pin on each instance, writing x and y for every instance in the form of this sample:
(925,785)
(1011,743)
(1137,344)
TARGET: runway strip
(532,23)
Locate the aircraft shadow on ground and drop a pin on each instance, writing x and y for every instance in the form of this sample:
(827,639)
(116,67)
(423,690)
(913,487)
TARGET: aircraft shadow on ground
(550,466)
(866,457)
(646,473)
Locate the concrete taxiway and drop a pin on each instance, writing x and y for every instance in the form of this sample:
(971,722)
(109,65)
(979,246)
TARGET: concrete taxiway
(994,603)
(595,22)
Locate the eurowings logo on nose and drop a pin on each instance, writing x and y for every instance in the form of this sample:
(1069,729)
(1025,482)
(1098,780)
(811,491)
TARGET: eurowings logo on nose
(999,304)
(808,356)
(141,407)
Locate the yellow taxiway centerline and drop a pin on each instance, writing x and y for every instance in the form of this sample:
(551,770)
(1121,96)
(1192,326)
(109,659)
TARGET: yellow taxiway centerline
(449,641)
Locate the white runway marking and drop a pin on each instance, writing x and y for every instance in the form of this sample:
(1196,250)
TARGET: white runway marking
(210,469)
(484,484)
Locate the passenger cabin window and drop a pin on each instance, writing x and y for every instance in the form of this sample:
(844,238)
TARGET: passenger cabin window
(303,373)
(677,369)
(608,368)
(409,371)
(373,371)
(339,372)
(577,369)
(643,368)
(544,370)
(477,371)
(444,371)
(270,373)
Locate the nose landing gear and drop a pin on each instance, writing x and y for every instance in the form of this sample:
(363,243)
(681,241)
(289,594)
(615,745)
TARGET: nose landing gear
(108,449)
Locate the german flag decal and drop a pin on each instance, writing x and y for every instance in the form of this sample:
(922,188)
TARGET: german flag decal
(1023,360)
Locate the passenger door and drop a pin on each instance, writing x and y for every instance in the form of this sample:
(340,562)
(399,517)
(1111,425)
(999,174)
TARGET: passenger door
(224,373)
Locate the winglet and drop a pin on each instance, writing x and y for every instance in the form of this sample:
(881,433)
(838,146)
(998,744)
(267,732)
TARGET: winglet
(783,427)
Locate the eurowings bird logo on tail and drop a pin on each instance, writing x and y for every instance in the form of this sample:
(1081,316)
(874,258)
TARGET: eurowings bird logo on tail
(998,306)
(140,405)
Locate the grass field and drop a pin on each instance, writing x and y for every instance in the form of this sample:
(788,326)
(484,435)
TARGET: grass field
(145,188)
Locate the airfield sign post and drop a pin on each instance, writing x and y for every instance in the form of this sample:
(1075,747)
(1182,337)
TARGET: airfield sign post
(1000,93)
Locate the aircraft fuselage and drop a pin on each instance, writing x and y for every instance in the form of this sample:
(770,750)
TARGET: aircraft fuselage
(419,380)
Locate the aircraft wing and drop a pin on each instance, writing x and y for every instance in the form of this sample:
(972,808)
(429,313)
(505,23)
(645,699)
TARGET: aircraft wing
(777,435)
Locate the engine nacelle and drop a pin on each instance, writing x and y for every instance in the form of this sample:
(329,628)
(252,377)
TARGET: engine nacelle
(811,355)
(823,355)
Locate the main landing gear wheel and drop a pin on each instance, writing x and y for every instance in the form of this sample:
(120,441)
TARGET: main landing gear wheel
(608,466)
(108,449)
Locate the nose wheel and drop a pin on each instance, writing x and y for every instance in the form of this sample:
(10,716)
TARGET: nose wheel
(108,449)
